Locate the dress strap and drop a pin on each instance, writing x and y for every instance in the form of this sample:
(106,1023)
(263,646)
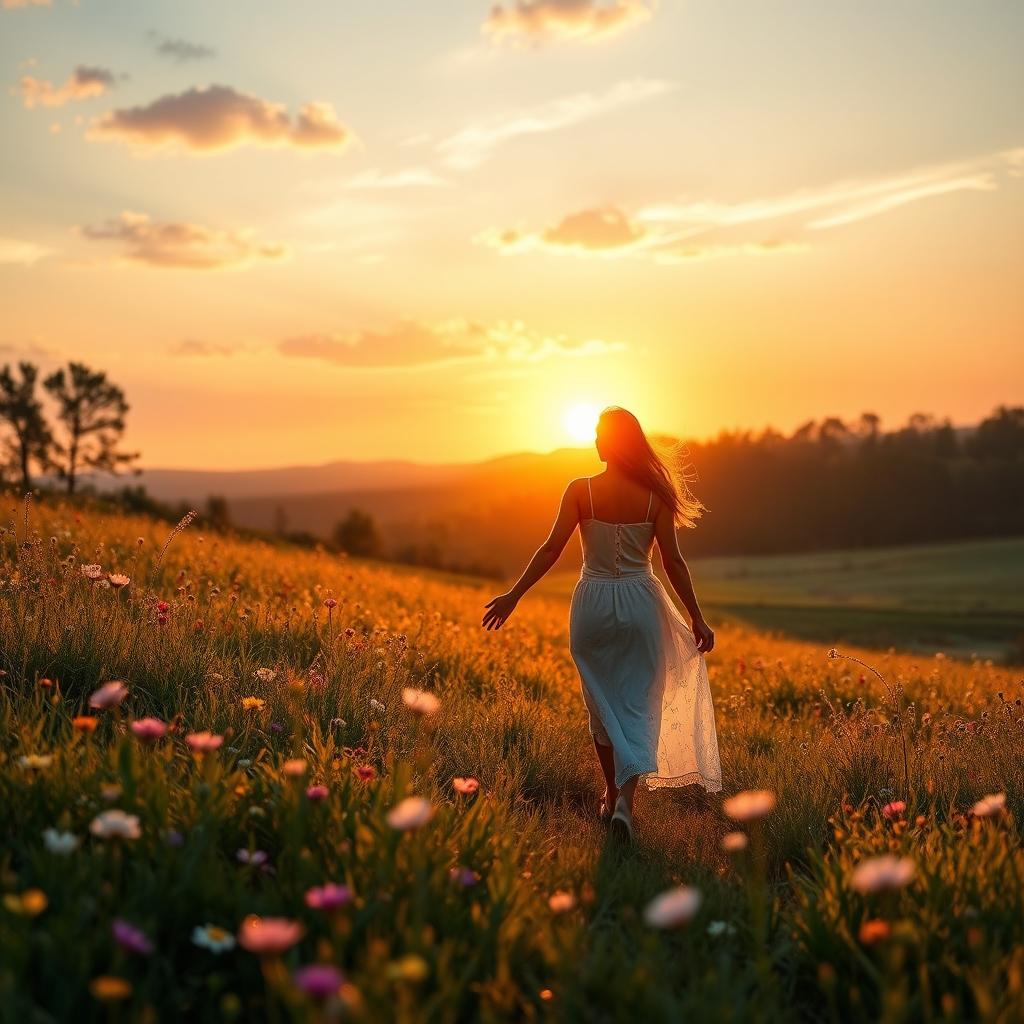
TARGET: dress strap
(650,502)
(591,493)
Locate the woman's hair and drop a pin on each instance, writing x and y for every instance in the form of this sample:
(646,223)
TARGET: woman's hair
(664,471)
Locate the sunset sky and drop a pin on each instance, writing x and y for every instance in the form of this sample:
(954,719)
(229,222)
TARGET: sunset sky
(330,229)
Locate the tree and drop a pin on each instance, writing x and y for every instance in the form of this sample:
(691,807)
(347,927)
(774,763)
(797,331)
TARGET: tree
(92,410)
(30,441)
(357,535)
(218,515)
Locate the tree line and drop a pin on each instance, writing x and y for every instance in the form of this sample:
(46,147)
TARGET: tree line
(85,434)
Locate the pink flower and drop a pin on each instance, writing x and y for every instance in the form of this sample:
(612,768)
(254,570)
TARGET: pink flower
(365,772)
(330,602)
(465,786)
(463,876)
(257,858)
(127,936)
(203,742)
(316,793)
(149,729)
(894,809)
(109,695)
(268,936)
(318,980)
(328,897)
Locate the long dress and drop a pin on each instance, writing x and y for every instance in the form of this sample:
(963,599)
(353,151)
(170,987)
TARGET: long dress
(644,682)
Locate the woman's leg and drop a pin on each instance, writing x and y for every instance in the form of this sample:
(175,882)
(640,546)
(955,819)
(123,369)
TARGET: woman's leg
(627,792)
(605,755)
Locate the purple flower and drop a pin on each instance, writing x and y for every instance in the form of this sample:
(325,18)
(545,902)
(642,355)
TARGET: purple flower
(463,876)
(328,897)
(127,936)
(257,858)
(319,980)
(174,838)
(276,727)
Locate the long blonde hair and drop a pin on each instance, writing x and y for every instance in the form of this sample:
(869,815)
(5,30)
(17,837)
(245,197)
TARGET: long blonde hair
(664,470)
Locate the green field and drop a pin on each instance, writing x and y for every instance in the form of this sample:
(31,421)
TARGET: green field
(960,598)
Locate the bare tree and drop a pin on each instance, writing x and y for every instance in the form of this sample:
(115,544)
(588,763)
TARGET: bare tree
(30,440)
(92,411)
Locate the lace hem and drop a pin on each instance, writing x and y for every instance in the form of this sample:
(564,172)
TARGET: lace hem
(689,779)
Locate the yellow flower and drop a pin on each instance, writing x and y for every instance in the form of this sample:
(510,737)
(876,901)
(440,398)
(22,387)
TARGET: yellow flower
(109,988)
(409,968)
(253,703)
(29,903)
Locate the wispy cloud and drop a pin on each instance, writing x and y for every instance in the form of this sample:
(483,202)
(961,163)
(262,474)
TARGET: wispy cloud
(182,245)
(541,21)
(83,83)
(412,177)
(471,146)
(12,4)
(709,229)
(409,345)
(181,50)
(14,250)
(196,347)
(215,118)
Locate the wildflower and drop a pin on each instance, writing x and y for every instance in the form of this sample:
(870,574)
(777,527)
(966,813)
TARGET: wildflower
(265,675)
(84,723)
(108,988)
(174,838)
(119,580)
(294,767)
(276,727)
(832,653)
(203,742)
(212,938)
(989,806)
(717,928)
(115,824)
(268,936)
(365,772)
(672,907)
(29,903)
(109,695)
(894,809)
(163,607)
(408,968)
(330,602)
(420,702)
(253,703)
(318,980)
(465,786)
(60,843)
(35,762)
(560,902)
(463,876)
(111,791)
(45,684)
(410,813)
(750,804)
(338,723)
(128,937)
(91,572)
(316,793)
(874,930)
(376,707)
(257,858)
(149,730)
(328,897)
(885,872)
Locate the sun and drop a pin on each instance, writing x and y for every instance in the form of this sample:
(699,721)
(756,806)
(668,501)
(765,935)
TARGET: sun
(580,421)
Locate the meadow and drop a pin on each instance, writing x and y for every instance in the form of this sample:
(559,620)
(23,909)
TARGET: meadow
(247,781)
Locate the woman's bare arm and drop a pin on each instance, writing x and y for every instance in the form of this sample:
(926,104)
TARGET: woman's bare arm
(501,607)
(678,574)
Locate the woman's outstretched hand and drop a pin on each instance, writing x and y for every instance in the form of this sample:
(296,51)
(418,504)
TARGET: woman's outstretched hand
(498,610)
(704,635)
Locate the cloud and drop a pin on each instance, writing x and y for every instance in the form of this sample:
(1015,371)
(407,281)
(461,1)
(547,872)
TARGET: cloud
(413,177)
(471,146)
(408,345)
(182,245)
(541,21)
(84,83)
(214,118)
(181,50)
(203,349)
(11,4)
(14,250)
(779,224)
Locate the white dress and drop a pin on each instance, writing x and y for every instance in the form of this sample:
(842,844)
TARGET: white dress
(644,682)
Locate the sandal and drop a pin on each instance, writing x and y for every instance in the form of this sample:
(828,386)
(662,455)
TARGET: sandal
(622,823)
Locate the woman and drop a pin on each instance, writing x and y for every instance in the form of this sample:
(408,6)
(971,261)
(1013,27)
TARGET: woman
(642,669)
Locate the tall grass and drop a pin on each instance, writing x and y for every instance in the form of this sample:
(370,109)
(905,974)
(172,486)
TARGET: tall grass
(452,920)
